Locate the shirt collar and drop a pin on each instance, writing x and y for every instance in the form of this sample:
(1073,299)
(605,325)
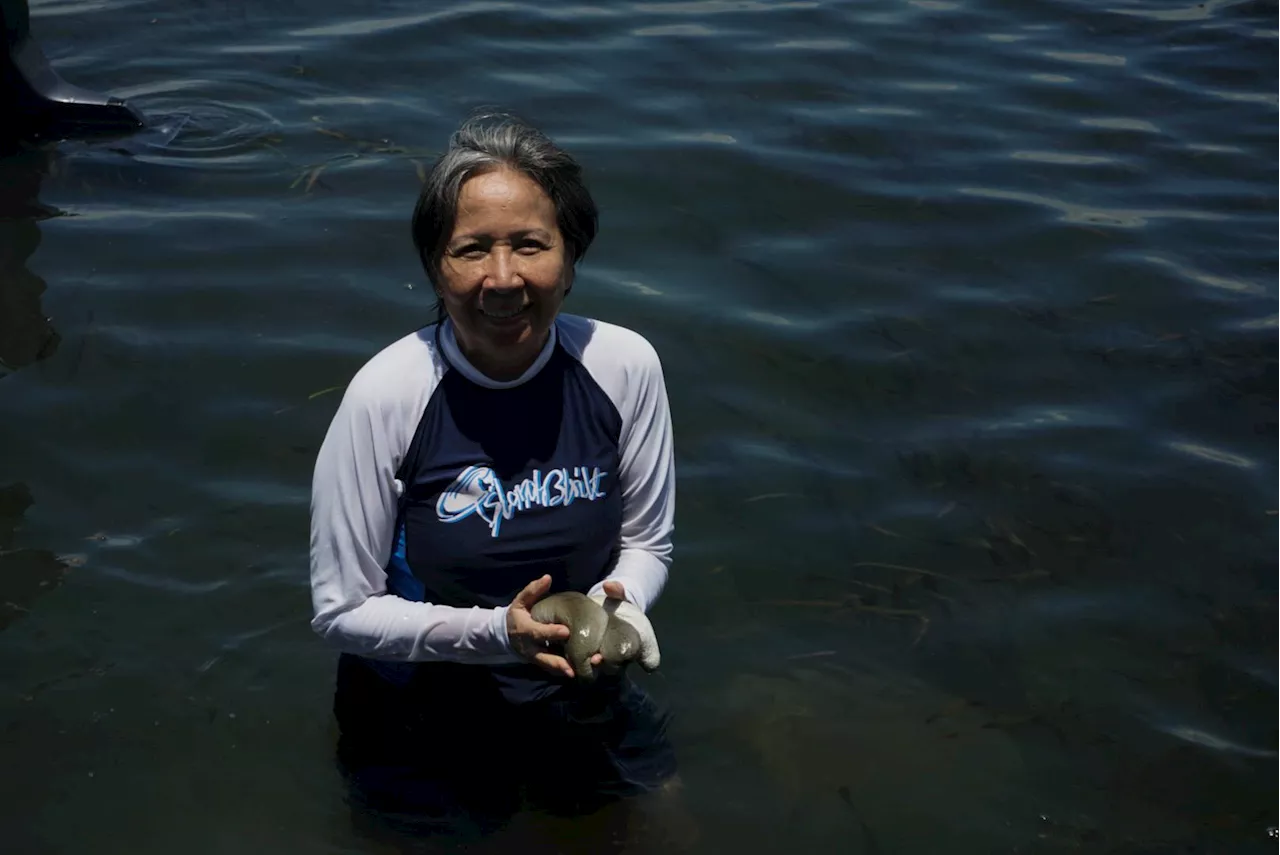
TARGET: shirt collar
(453,353)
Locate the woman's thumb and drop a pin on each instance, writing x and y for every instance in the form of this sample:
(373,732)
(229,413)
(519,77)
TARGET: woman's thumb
(532,593)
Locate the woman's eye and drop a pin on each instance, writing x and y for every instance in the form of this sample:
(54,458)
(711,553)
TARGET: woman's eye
(529,248)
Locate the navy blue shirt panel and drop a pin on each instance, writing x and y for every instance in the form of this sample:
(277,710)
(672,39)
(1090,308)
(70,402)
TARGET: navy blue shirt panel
(502,486)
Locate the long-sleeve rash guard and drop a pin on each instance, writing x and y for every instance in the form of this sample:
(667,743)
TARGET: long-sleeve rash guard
(439,493)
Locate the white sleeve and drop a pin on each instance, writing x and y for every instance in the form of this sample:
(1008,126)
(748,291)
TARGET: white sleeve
(353,514)
(647,477)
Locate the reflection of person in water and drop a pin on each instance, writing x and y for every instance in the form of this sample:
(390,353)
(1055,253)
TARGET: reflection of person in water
(26,336)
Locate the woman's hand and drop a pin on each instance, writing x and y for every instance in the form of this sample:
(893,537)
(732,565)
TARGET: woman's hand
(530,639)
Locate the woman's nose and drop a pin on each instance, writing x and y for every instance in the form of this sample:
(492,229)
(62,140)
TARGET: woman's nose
(502,272)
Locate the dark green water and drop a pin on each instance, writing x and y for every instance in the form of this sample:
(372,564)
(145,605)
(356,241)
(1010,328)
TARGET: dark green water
(968,314)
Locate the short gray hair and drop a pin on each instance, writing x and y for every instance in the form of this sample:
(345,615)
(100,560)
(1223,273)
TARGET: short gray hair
(486,141)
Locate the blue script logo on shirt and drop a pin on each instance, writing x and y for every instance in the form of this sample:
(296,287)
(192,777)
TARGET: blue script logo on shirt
(479,491)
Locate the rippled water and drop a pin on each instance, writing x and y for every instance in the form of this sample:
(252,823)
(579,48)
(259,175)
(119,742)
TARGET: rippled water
(968,313)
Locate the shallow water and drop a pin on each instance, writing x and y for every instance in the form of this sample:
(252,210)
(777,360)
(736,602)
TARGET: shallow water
(968,316)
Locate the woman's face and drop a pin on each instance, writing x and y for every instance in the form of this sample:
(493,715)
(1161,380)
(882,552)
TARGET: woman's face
(504,272)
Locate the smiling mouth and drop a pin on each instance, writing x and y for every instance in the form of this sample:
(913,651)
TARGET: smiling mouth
(505,315)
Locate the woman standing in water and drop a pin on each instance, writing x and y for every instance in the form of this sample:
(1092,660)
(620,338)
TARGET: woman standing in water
(503,453)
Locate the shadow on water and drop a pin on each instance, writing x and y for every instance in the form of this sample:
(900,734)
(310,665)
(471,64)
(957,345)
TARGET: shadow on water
(25,574)
(26,335)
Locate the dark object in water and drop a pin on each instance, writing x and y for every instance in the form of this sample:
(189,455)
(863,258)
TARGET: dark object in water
(25,574)
(596,628)
(36,103)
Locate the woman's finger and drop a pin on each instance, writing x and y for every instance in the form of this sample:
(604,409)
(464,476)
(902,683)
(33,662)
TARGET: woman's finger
(553,632)
(553,663)
(538,631)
